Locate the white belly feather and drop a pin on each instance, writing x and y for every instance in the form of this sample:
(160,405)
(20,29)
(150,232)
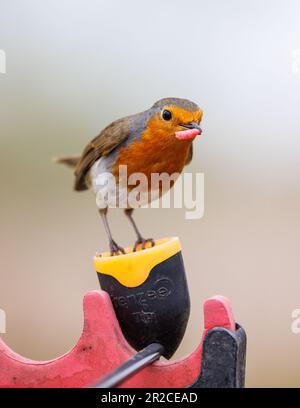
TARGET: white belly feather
(111,194)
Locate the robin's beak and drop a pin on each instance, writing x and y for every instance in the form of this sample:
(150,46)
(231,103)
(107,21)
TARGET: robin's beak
(193,130)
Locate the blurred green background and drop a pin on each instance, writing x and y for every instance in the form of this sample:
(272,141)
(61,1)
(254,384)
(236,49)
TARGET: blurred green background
(73,66)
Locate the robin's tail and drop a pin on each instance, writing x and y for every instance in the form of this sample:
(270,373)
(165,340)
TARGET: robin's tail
(70,161)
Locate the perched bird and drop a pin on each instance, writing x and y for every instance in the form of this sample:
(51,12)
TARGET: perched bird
(158,140)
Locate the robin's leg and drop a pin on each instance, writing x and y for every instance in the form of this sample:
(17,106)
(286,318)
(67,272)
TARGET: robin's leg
(114,247)
(140,240)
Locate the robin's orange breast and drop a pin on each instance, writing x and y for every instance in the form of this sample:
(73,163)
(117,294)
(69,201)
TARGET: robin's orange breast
(154,153)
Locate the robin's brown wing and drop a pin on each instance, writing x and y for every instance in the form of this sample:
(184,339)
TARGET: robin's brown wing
(101,145)
(189,156)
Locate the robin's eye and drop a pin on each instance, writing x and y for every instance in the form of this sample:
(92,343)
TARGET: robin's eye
(167,115)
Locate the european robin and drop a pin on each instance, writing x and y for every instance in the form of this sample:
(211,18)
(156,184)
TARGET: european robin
(156,141)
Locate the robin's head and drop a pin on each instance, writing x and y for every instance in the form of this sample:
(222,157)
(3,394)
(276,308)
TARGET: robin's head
(176,117)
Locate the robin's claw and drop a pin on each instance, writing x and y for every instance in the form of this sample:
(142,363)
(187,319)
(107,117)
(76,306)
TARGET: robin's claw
(143,243)
(115,249)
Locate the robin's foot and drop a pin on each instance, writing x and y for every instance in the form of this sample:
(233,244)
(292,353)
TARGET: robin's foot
(115,249)
(143,243)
